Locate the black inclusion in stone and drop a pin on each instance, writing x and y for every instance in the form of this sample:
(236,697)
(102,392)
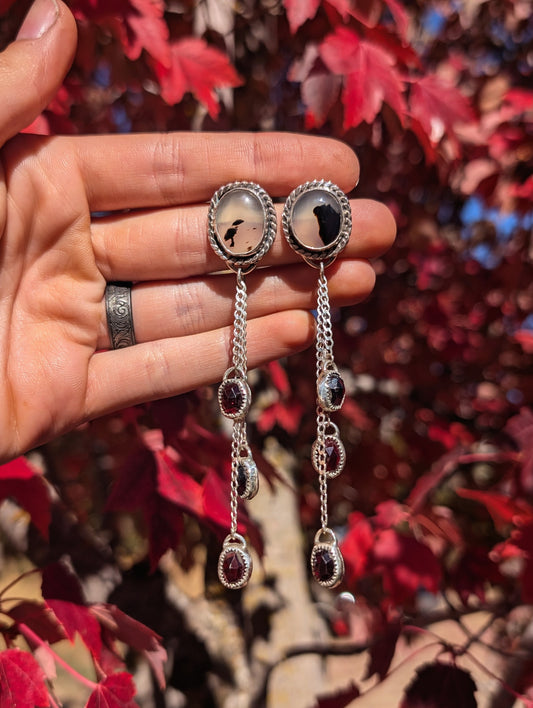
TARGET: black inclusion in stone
(232,398)
(242,480)
(323,565)
(329,223)
(336,390)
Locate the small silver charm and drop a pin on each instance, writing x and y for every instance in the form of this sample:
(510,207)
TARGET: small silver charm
(327,563)
(234,562)
(234,395)
(247,478)
(334,452)
(330,390)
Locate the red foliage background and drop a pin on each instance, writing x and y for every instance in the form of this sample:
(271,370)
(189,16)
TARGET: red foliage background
(437,494)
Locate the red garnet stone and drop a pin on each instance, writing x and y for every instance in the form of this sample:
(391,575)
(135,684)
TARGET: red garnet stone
(233,567)
(232,398)
(323,565)
(333,456)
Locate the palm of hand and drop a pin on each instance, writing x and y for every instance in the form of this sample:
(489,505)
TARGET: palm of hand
(50,292)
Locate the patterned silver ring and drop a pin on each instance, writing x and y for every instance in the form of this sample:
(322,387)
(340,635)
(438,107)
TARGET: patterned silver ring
(119,315)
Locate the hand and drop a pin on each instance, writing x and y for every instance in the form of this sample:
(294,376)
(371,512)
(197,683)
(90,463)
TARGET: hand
(55,258)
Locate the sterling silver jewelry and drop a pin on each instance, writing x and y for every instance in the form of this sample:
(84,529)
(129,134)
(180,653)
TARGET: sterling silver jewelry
(119,315)
(317,223)
(241,228)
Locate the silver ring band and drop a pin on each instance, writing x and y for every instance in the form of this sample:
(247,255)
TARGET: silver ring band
(119,315)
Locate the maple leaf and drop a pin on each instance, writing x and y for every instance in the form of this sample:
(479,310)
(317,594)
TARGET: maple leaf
(406,565)
(197,67)
(440,686)
(503,509)
(382,651)
(115,691)
(40,619)
(298,11)
(436,107)
(339,699)
(357,545)
(22,681)
(319,88)
(370,76)
(24,483)
(135,634)
(77,619)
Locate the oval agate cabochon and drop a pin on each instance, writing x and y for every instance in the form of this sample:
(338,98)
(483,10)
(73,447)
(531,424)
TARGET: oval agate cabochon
(240,222)
(316,219)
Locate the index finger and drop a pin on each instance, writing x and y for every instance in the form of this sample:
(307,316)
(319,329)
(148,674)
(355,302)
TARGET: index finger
(152,170)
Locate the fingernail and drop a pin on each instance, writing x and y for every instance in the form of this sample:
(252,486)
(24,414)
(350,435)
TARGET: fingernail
(41,16)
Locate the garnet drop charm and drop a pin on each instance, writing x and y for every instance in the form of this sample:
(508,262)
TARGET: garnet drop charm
(234,563)
(327,564)
(241,229)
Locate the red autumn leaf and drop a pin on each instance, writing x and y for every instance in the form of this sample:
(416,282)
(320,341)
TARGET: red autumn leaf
(524,337)
(165,528)
(177,486)
(520,428)
(340,699)
(286,414)
(279,378)
(319,88)
(440,686)
(40,619)
(437,107)
(357,545)
(22,681)
(197,67)
(382,651)
(115,691)
(399,15)
(298,11)
(77,619)
(147,29)
(523,191)
(135,634)
(405,564)
(370,76)
(502,508)
(442,468)
(524,542)
(22,482)
(519,100)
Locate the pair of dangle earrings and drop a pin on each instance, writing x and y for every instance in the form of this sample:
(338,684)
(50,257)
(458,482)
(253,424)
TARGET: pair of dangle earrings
(242,226)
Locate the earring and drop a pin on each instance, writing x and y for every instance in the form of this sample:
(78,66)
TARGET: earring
(242,227)
(317,223)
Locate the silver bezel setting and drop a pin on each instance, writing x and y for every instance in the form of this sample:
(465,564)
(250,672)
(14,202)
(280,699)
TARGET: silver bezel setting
(324,392)
(252,477)
(246,397)
(235,544)
(335,440)
(247,262)
(338,560)
(325,254)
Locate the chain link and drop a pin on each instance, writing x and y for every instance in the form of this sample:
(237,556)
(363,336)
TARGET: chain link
(239,325)
(239,440)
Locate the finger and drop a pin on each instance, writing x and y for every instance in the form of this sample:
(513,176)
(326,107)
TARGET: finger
(168,367)
(173,243)
(200,305)
(136,171)
(34,65)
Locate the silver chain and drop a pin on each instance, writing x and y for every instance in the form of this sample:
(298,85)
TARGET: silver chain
(324,359)
(239,326)
(238,438)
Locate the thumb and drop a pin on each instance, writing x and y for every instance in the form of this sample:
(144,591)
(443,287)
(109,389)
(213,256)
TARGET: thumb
(33,67)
